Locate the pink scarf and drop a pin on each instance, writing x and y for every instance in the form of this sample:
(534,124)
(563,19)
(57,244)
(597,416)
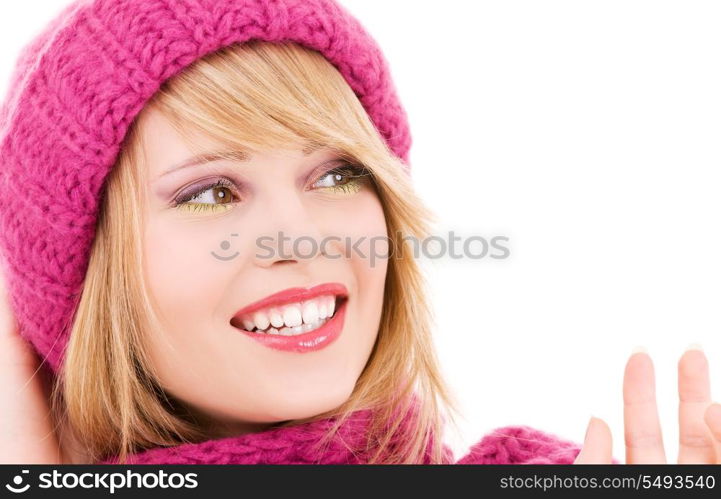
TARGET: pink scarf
(300,445)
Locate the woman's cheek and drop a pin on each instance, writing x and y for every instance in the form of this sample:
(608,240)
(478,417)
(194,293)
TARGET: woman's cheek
(182,274)
(357,230)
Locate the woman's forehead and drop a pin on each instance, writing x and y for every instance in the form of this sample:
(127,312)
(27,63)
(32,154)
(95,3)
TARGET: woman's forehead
(169,151)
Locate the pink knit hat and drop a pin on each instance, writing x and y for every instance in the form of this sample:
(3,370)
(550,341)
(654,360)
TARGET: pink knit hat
(77,88)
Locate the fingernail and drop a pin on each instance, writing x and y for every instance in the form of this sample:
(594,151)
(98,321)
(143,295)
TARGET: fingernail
(694,346)
(639,349)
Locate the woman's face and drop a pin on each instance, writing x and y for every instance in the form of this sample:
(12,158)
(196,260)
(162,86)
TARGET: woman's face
(221,248)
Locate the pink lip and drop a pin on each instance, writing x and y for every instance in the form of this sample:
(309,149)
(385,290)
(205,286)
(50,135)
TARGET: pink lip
(307,342)
(292,295)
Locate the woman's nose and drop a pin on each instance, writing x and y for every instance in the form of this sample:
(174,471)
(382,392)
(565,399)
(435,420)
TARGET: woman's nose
(288,231)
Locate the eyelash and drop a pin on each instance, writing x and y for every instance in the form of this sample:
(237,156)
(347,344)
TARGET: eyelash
(357,174)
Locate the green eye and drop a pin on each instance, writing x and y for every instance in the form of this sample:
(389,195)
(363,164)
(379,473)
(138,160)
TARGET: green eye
(347,179)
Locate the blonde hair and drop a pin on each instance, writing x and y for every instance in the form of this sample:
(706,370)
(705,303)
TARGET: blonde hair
(252,96)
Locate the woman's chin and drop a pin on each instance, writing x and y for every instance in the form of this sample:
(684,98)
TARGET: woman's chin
(303,407)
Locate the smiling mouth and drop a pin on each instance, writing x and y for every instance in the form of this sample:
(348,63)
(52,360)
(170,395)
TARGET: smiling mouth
(291,319)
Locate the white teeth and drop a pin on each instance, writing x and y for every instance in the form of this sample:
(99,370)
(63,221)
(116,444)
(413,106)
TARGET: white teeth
(292,331)
(284,319)
(292,315)
(322,309)
(310,312)
(261,320)
(248,324)
(276,318)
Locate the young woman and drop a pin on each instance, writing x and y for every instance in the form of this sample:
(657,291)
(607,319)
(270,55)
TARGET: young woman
(190,195)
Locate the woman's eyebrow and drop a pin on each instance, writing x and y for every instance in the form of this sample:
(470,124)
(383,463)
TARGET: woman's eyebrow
(209,157)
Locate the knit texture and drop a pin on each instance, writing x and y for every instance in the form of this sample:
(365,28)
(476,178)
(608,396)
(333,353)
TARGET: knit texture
(75,91)
(301,445)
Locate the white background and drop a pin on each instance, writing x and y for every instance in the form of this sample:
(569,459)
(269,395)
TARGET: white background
(588,133)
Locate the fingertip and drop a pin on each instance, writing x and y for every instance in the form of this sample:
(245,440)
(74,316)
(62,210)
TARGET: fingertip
(601,422)
(694,346)
(639,355)
(693,359)
(638,365)
(598,428)
(596,447)
(639,349)
(603,428)
(595,421)
(693,350)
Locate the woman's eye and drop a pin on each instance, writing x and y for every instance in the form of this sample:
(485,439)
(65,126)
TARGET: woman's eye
(215,197)
(348,178)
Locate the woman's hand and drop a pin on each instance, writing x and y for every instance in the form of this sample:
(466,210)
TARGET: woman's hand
(27,433)
(699,418)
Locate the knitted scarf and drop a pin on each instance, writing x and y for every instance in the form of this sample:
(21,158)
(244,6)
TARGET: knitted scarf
(300,444)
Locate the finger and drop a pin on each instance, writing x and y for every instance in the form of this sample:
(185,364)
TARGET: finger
(26,423)
(642,428)
(597,444)
(713,420)
(694,390)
